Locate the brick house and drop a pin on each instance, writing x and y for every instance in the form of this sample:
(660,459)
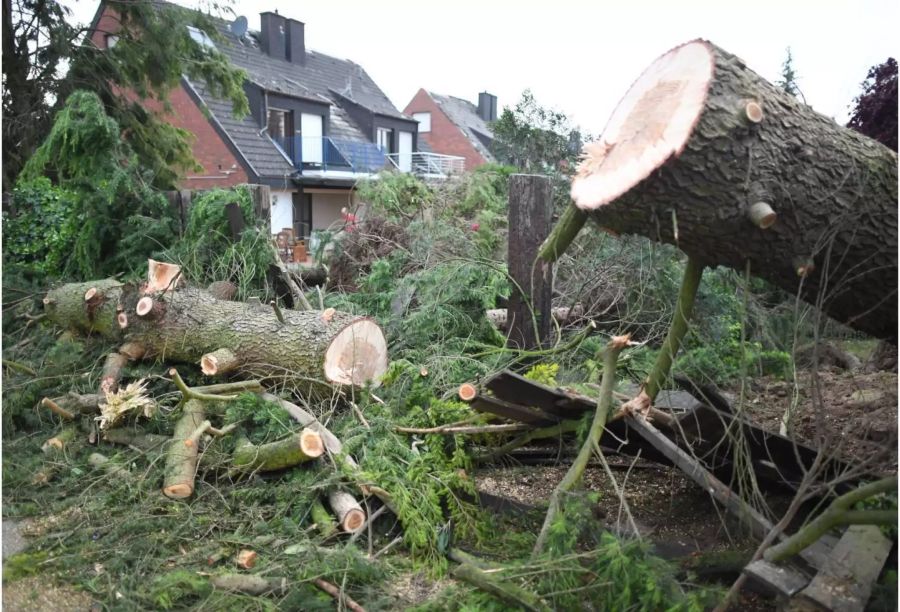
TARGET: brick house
(317,124)
(452,126)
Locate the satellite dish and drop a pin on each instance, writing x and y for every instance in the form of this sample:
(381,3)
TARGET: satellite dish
(238,27)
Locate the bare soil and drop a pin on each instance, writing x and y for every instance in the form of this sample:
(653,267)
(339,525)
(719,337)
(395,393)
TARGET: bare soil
(853,413)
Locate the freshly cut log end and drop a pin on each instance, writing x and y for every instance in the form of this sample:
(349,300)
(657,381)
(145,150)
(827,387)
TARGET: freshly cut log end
(311,443)
(246,558)
(467,392)
(652,123)
(181,490)
(162,276)
(350,514)
(144,306)
(762,215)
(221,361)
(357,354)
(753,112)
(89,294)
(122,319)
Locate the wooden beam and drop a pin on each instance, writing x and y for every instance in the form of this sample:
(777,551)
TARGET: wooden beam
(786,582)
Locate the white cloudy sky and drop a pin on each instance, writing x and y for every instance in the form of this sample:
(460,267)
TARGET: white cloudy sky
(581,56)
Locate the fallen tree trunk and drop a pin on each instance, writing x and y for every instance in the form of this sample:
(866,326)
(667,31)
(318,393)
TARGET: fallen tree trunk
(189,325)
(705,154)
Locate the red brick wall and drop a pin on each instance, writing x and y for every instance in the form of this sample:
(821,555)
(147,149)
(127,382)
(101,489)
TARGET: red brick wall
(445,136)
(220,167)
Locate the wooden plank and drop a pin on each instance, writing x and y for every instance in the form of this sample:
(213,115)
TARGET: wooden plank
(530,215)
(784,581)
(845,582)
(523,414)
(516,389)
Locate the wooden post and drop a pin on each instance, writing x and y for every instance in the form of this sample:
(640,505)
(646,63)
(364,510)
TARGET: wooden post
(235,220)
(530,212)
(174,198)
(184,207)
(260,196)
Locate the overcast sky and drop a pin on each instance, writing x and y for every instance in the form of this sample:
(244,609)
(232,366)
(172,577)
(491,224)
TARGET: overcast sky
(580,57)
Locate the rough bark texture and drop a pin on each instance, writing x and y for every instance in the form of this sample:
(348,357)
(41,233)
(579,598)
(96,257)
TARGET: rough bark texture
(834,191)
(181,460)
(530,208)
(194,323)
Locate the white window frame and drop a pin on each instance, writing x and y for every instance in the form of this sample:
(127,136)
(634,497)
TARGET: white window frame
(424,119)
(383,137)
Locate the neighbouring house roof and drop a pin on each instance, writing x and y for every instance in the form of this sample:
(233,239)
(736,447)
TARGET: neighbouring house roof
(315,80)
(465,115)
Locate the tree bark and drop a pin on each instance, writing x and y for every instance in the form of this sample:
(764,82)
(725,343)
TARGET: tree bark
(700,139)
(306,351)
(530,212)
(349,513)
(181,460)
(287,452)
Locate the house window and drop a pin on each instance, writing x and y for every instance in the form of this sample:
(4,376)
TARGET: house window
(279,124)
(383,140)
(424,120)
(302,215)
(111,40)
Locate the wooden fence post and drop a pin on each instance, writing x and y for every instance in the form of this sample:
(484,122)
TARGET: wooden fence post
(530,213)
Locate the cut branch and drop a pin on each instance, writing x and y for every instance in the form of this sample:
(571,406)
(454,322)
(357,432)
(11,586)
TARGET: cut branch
(350,514)
(840,512)
(287,452)
(576,471)
(181,460)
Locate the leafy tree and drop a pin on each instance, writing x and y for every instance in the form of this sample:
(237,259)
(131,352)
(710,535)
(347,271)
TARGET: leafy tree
(875,114)
(153,50)
(534,138)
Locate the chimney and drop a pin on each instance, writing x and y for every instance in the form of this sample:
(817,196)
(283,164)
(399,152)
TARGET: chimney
(273,35)
(296,44)
(487,106)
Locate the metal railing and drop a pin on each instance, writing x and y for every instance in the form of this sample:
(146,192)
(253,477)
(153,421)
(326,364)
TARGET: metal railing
(314,153)
(430,164)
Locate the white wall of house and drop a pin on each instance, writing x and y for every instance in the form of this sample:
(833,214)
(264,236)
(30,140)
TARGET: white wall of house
(282,210)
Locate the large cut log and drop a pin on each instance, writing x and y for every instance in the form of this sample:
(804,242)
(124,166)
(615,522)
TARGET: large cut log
(305,350)
(705,154)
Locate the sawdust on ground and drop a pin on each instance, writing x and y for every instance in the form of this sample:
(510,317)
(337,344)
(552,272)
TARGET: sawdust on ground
(36,594)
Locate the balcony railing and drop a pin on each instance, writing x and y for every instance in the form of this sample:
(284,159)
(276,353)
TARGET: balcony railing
(313,153)
(429,164)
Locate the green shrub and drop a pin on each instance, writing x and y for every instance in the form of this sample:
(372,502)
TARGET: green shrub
(84,203)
